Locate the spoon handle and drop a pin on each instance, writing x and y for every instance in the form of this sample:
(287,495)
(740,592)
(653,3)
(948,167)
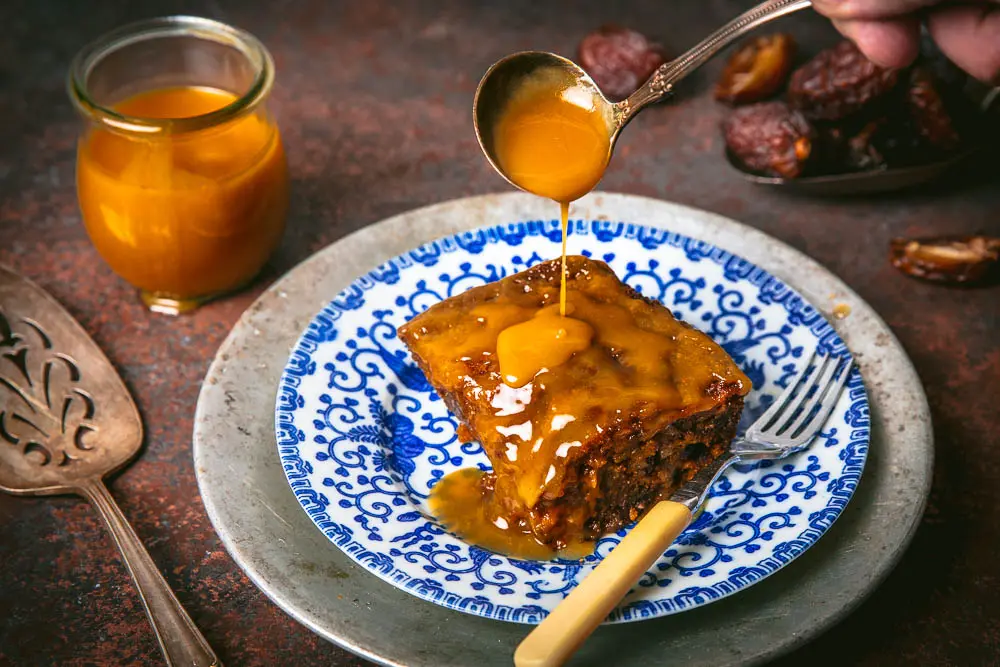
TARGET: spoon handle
(564,629)
(671,72)
(182,644)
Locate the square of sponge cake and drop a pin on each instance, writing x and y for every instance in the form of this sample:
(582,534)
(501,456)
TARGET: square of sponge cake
(588,445)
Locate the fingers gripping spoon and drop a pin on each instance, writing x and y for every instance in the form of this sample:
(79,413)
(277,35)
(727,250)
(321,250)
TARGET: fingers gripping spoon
(67,421)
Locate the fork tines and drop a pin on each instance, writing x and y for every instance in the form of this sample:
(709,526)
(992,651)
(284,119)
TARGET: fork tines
(801,410)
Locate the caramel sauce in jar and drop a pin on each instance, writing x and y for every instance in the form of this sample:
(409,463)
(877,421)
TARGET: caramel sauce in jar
(184,216)
(181,174)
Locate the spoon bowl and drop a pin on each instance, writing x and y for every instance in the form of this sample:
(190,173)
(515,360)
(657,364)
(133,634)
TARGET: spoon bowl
(528,73)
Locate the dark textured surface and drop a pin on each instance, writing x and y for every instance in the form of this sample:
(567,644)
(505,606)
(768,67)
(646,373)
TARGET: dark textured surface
(374,100)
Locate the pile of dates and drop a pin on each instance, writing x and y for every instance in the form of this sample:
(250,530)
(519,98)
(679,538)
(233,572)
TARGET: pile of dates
(840,112)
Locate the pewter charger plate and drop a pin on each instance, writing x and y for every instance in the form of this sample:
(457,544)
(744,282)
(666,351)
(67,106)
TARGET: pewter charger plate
(263,527)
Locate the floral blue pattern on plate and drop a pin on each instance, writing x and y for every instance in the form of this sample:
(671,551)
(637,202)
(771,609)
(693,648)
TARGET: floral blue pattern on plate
(362,436)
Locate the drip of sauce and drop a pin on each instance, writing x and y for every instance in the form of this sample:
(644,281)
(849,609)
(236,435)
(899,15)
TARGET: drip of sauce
(841,311)
(547,339)
(553,142)
(457,501)
(564,220)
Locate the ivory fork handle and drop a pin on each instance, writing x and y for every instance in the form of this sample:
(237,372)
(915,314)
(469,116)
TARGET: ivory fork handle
(557,637)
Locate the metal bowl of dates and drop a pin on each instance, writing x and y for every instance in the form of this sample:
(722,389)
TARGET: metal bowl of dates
(858,129)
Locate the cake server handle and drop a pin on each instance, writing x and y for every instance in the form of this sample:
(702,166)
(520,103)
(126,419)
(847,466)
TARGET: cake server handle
(558,636)
(182,643)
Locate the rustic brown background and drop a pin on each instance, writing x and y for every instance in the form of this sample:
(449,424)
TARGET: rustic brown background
(374,99)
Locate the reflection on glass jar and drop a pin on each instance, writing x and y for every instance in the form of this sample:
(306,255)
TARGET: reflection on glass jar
(181,175)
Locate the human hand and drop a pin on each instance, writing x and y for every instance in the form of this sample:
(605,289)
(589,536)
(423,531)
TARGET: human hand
(888,31)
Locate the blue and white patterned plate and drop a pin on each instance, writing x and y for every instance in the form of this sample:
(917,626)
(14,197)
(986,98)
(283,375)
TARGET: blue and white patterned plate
(362,436)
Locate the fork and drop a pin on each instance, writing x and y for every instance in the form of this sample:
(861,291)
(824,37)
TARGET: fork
(786,427)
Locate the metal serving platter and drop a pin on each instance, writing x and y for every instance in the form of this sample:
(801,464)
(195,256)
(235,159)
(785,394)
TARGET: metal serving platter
(265,530)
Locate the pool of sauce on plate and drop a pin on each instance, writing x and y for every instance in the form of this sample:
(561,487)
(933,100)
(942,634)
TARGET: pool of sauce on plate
(461,503)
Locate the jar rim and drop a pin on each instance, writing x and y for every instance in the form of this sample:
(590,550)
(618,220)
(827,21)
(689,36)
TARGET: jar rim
(169,26)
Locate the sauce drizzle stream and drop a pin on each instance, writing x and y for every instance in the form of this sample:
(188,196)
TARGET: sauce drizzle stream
(564,218)
(554,143)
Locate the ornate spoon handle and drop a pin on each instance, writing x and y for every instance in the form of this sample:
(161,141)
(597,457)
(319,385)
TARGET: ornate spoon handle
(670,73)
(182,644)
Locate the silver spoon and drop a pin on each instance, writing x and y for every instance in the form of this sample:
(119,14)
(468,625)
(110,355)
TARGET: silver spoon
(512,74)
(67,421)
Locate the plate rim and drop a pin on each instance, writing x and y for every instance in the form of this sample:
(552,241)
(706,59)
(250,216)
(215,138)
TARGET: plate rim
(239,525)
(649,238)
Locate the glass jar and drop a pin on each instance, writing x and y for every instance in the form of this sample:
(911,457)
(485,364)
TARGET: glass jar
(181,175)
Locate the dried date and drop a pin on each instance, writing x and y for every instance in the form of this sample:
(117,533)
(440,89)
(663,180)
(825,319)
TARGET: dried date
(928,111)
(869,144)
(830,148)
(848,147)
(757,70)
(770,137)
(619,60)
(838,82)
(862,152)
(955,260)
(900,143)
